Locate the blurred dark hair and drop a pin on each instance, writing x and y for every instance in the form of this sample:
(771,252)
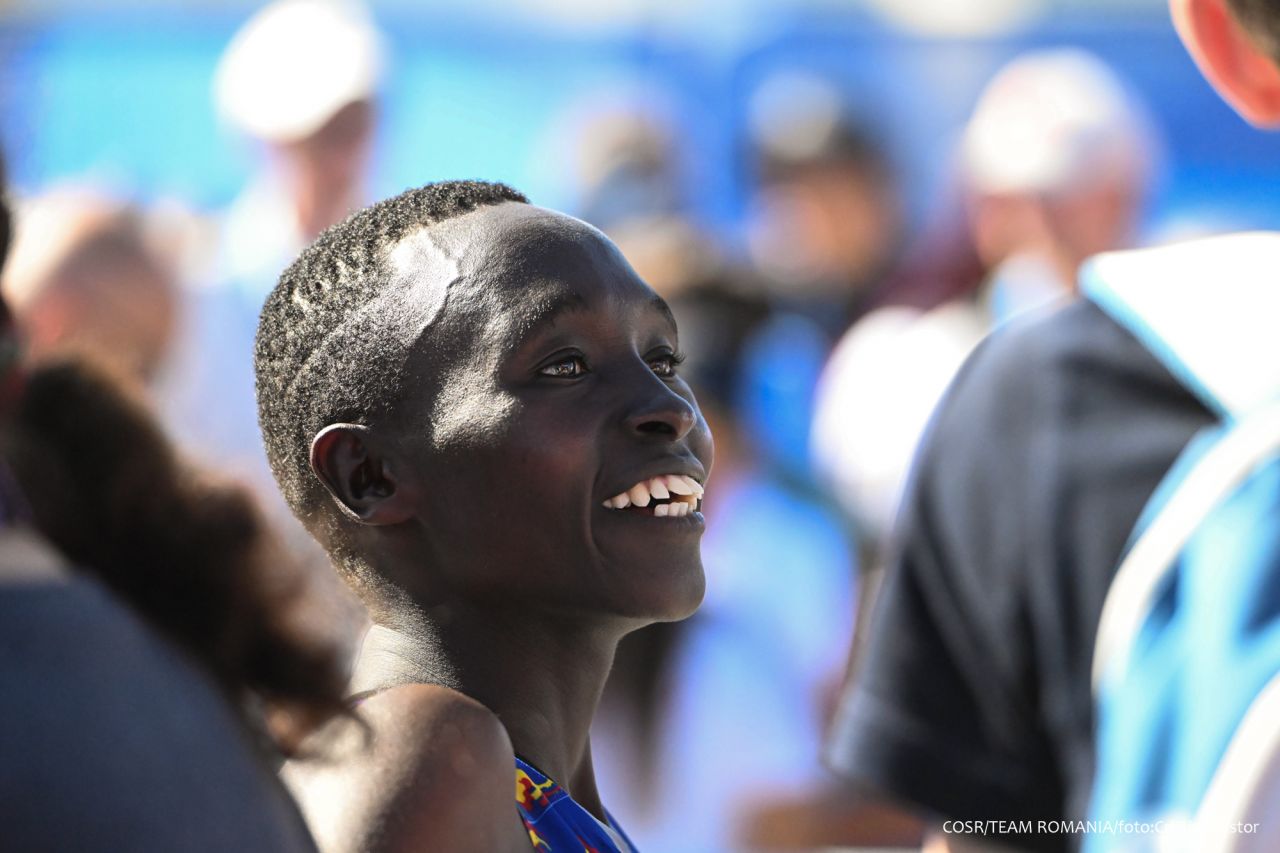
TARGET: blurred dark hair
(717,318)
(10,352)
(1262,20)
(846,144)
(191,555)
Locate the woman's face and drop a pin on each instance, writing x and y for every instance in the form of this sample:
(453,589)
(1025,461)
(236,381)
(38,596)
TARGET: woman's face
(554,390)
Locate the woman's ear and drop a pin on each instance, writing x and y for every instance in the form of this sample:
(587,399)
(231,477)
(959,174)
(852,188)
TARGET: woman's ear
(347,459)
(1243,72)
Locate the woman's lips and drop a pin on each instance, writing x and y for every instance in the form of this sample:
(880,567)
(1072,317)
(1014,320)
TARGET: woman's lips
(669,495)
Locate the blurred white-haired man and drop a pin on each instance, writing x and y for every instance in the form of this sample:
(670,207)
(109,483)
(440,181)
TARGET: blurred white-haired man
(300,77)
(1055,163)
(1056,160)
(300,81)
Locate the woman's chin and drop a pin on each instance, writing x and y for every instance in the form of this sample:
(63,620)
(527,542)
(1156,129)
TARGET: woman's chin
(671,598)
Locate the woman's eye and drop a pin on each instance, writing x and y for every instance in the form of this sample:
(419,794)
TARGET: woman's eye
(565,368)
(665,365)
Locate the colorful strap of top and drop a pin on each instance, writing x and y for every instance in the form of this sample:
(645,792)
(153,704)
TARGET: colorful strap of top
(558,824)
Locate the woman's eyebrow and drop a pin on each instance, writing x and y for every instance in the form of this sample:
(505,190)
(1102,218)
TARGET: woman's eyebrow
(549,307)
(546,308)
(661,304)
(547,311)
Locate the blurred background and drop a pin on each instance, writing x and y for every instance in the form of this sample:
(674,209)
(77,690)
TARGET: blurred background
(838,197)
(120,91)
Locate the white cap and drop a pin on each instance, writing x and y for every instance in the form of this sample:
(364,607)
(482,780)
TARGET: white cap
(295,64)
(1052,120)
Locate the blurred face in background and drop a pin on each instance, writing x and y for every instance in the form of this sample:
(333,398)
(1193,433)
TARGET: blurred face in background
(107,303)
(1065,226)
(325,171)
(1096,218)
(1057,157)
(86,280)
(827,228)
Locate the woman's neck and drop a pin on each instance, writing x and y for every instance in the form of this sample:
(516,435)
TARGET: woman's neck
(541,675)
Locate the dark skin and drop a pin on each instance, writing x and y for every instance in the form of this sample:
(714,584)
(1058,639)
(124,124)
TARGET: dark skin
(546,384)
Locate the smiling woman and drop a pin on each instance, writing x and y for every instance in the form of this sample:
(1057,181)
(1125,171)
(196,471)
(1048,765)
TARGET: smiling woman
(475,405)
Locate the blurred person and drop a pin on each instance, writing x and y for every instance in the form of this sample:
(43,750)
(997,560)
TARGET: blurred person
(1057,158)
(706,725)
(975,699)
(826,219)
(475,405)
(86,278)
(627,165)
(824,228)
(632,188)
(1055,164)
(300,80)
(151,649)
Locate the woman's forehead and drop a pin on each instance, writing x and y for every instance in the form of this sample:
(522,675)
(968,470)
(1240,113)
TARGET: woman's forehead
(519,238)
(511,268)
(524,259)
(496,231)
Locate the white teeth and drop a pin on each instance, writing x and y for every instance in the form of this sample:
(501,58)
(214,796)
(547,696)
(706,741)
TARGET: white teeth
(685,494)
(662,510)
(677,485)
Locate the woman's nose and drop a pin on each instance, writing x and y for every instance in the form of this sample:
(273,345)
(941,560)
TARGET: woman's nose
(664,414)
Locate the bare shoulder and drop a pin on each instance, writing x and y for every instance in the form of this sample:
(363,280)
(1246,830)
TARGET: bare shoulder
(422,768)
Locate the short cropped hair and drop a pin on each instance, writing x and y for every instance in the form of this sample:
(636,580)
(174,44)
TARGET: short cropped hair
(319,357)
(1262,20)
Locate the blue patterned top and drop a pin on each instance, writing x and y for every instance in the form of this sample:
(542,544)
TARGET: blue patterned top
(558,824)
